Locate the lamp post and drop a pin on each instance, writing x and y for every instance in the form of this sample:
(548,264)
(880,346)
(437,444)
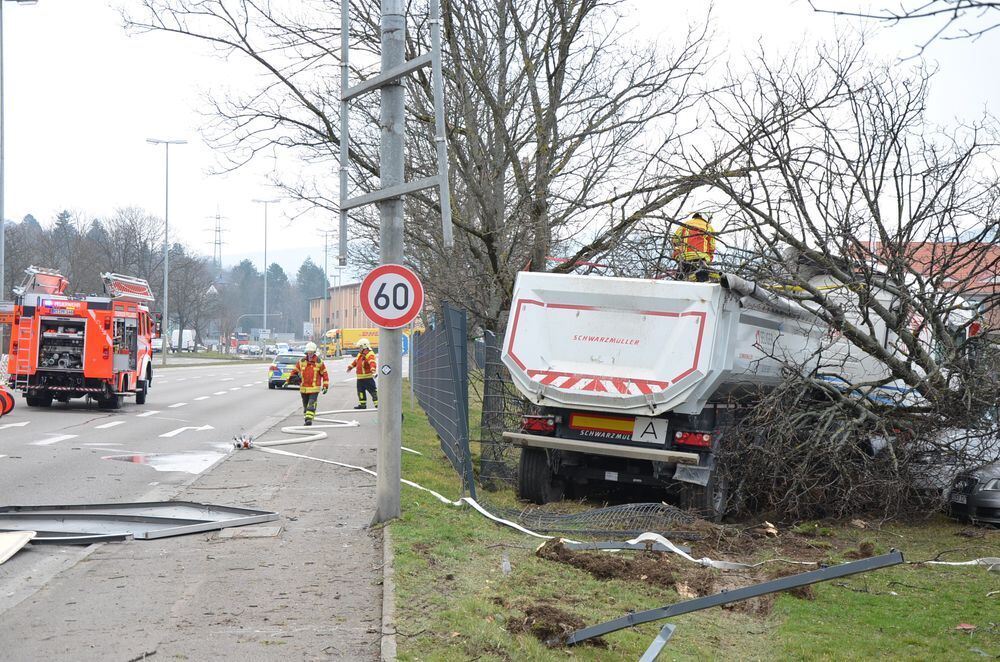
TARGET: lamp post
(3,229)
(266,203)
(166,237)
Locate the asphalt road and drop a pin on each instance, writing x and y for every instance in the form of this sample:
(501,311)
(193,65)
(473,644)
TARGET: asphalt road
(77,453)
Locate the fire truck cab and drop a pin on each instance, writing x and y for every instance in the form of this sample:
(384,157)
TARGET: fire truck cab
(65,347)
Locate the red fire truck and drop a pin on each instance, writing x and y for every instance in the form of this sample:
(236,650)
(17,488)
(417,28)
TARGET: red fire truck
(65,347)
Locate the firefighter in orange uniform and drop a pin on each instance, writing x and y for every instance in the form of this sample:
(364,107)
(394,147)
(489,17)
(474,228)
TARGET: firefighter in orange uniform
(366,365)
(311,375)
(694,247)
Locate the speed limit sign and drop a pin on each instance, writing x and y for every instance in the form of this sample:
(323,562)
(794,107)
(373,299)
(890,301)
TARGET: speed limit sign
(391,295)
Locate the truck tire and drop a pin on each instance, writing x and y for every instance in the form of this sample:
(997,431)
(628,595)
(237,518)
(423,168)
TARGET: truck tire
(43,400)
(142,388)
(110,402)
(535,480)
(709,501)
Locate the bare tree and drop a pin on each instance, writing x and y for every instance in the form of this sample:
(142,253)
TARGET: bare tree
(880,228)
(553,109)
(954,19)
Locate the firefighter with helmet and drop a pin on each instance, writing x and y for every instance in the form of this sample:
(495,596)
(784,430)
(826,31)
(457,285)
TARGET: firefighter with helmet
(694,247)
(312,377)
(365,366)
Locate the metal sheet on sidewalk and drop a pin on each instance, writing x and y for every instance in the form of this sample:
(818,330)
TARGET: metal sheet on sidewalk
(89,523)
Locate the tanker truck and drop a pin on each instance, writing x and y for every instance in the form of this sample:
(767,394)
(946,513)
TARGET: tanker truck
(635,379)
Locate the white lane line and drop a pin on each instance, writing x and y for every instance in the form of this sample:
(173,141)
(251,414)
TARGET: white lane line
(204,397)
(217,392)
(228,379)
(174,433)
(182,379)
(3,456)
(13,425)
(162,381)
(250,384)
(112,424)
(102,443)
(235,388)
(177,404)
(53,440)
(147,413)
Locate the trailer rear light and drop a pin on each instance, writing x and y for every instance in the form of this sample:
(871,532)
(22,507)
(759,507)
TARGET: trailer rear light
(699,439)
(544,424)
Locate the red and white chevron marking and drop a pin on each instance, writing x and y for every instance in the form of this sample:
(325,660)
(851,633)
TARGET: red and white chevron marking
(566,381)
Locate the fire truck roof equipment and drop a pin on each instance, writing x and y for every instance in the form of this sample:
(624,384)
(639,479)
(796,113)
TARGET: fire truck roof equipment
(38,280)
(127,288)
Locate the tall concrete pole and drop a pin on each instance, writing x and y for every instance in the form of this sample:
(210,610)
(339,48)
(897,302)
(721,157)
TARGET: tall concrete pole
(390,386)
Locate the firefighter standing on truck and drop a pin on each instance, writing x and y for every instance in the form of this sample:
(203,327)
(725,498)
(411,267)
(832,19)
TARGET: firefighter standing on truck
(366,365)
(694,247)
(311,375)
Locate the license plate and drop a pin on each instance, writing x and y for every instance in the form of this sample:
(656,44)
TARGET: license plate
(958,498)
(650,430)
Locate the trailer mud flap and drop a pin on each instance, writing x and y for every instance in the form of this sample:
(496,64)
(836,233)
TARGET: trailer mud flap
(687,473)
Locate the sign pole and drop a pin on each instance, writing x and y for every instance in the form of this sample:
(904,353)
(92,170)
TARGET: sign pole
(390,384)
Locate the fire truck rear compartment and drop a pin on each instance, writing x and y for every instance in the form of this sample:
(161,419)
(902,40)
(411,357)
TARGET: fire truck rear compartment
(61,345)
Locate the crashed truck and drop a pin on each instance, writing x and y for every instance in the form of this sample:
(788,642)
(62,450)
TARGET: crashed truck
(64,347)
(634,380)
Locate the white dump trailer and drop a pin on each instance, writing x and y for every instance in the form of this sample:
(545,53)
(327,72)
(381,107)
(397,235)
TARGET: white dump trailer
(634,378)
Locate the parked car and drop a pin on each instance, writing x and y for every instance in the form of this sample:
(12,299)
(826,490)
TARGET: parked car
(975,495)
(157,345)
(280,369)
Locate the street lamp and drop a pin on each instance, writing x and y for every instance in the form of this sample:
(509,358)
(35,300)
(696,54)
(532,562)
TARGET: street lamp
(166,236)
(3,229)
(266,203)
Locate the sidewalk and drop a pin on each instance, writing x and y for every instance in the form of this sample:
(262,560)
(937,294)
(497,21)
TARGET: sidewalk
(311,591)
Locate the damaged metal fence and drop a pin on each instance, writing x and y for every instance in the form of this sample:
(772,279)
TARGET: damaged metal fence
(470,400)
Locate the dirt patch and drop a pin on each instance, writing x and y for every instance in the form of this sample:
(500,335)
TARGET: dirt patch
(648,567)
(865,550)
(802,592)
(549,624)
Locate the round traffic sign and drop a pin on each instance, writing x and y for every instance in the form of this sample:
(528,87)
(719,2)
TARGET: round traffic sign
(391,296)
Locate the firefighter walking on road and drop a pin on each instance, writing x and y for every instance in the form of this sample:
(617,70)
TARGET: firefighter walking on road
(312,377)
(694,247)
(365,366)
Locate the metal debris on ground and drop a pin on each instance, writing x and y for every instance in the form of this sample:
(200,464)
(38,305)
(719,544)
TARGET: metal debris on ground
(697,604)
(11,542)
(85,524)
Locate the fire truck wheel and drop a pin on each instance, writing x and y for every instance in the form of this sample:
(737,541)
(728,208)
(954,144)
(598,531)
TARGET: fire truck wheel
(110,402)
(141,391)
(44,400)
(535,480)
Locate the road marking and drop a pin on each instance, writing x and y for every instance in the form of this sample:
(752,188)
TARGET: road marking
(228,379)
(250,384)
(147,413)
(102,443)
(53,440)
(204,397)
(112,424)
(235,388)
(3,456)
(177,404)
(174,433)
(217,392)
(182,379)
(13,425)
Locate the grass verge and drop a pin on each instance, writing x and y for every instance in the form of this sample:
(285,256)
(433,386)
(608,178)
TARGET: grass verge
(454,602)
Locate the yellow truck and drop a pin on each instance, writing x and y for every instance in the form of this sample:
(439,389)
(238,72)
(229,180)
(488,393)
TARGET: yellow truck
(341,342)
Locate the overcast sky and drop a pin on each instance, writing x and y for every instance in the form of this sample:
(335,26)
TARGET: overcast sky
(82,97)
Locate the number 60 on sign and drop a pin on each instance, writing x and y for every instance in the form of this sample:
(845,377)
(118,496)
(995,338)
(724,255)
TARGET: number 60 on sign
(391,296)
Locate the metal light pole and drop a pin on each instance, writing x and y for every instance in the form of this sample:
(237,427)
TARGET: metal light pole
(3,229)
(265,203)
(166,239)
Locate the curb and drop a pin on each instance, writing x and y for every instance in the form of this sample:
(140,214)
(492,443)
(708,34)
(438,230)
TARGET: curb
(388,644)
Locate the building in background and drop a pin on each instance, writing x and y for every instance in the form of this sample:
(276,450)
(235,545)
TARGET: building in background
(341,310)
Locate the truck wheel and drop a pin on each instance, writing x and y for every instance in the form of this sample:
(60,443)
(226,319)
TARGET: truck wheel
(44,400)
(535,480)
(708,502)
(141,391)
(110,402)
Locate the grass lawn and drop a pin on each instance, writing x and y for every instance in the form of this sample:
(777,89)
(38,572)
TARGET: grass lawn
(454,602)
